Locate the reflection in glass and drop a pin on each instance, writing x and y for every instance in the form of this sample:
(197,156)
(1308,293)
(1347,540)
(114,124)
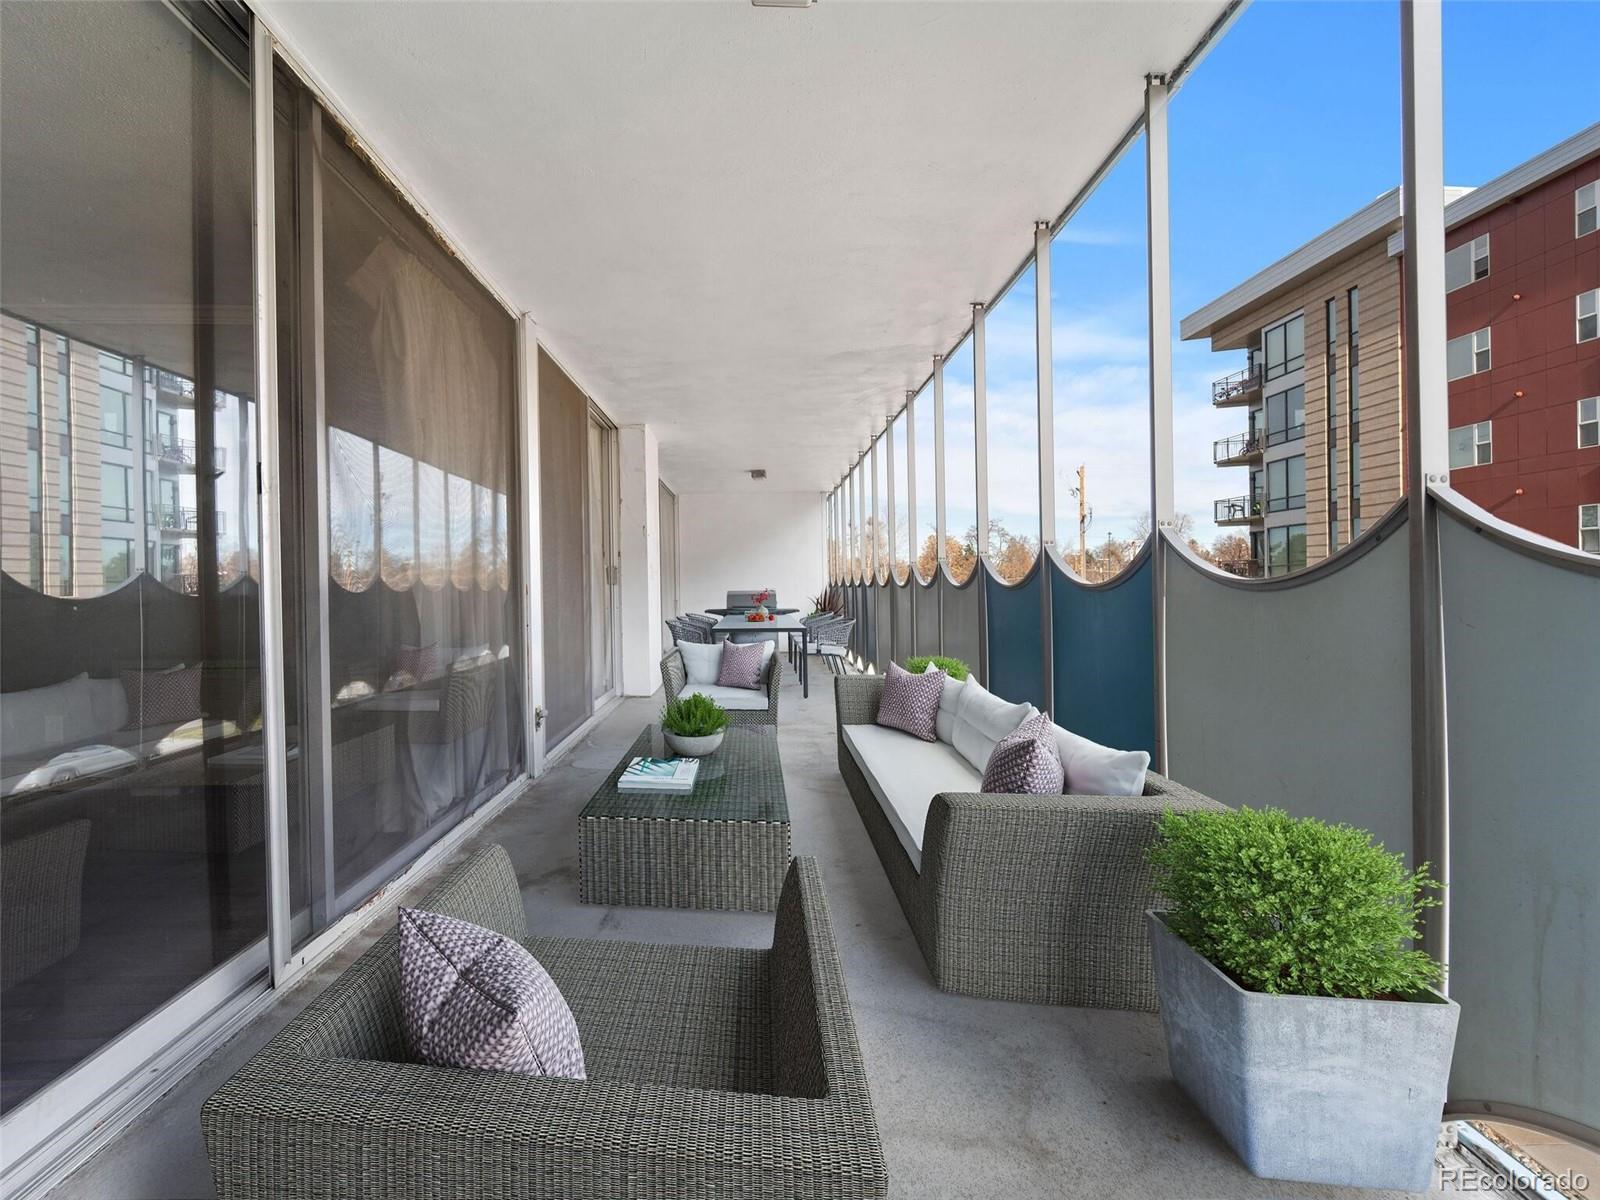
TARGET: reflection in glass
(352,511)
(902,515)
(1011,379)
(131,813)
(960,464)
(433,528)
(397,481)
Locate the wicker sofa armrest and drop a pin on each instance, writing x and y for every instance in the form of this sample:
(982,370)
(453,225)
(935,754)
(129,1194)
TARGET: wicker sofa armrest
(1052,887)
(673,673)
(774,685)
(855,699)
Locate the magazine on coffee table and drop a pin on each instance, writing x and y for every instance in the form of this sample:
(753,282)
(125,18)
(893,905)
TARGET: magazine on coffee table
(659,775)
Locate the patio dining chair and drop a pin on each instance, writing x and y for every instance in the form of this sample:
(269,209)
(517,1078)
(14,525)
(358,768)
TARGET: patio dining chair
(833,644)
(812,623)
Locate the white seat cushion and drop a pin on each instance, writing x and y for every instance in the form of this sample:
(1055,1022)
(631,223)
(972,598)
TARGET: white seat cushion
(905,774)
(744,699)
(703,660)
(949,702)
(982,719)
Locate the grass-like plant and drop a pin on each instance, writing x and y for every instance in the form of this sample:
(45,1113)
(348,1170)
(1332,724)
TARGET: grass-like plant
(953,667)
(694,716)
(1294,905)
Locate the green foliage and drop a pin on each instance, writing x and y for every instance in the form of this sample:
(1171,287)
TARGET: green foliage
(952,667)
(1294,905)
(694,716)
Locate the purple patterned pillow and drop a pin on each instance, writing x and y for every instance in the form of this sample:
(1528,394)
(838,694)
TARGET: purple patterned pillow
(740,666)
(474,998)
(1025,762)
(911,702)
(162,697)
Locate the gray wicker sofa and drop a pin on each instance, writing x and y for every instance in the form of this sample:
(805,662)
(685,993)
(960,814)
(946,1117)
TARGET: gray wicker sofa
(712,1072)
(1036,898)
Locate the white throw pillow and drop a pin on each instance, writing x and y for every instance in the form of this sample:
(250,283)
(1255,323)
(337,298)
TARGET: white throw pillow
(982,719)
(700,661)
(44,718)
(944,725)
(1095,770)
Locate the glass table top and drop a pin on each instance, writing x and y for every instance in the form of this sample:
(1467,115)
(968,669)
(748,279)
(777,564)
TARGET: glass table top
(741,781)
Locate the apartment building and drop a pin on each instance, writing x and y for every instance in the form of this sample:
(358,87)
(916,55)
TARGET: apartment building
(1321,393)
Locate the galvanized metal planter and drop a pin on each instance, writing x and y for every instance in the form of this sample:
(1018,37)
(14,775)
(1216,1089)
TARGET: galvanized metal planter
(1308,1088)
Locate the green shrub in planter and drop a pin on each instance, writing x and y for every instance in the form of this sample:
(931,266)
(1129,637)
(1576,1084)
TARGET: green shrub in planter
(953,667)
(1294,905)
(694,716)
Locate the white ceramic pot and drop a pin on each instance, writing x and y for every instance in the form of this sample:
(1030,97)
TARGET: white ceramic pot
(694,747)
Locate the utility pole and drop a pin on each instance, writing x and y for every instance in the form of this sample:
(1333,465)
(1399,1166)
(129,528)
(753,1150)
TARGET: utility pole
(1083,522)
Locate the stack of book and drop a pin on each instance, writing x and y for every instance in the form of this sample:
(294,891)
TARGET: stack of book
(659,775)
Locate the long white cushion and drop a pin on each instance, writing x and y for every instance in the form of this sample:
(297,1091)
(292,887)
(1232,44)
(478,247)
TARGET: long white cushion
(944,724)
(55,716)
(747,699)
(982,719)
(1095,770)
(905,774)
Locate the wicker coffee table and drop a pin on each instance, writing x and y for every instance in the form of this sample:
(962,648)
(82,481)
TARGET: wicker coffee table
(724,845)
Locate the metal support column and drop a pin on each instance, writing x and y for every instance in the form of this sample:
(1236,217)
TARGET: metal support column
(980,429)
(941,532)
(875,523)
(1044,373)
(893,523)
(911,479)
(1427,453)
(1163,509)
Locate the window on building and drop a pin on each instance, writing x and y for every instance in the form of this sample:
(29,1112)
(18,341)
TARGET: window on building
(1588,197)
(116,560)
(1589,422)
(1286,415)
(1286,549)
(1330,317)
(1286,484)
(1472,445)
(1468,354)
(1467,263)
(1589,315)
(115,502)
(1589,528)
(1355,490)
(1285,345)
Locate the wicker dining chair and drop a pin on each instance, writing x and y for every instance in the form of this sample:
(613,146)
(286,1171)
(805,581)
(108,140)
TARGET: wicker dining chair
(833,643)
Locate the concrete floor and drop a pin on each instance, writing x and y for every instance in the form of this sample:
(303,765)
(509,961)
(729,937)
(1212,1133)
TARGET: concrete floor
(974,1098)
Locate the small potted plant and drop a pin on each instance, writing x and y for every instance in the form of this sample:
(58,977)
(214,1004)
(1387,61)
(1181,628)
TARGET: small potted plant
(694,725)
(1298,1017)
(953,667)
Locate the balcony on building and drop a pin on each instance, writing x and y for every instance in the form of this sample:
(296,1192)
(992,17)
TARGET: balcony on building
(1237,510)
(1238,389)
(1238,450)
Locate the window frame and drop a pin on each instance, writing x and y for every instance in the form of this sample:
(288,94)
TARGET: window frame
(1284,500)
(1592,421)
(1289,432)
(1474,351)
(1589,526)
(1290,363)
(1475,430)
(1472,256)
(1592,208)
(1592,316)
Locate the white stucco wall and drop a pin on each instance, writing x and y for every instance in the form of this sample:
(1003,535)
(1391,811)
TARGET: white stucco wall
(734,541)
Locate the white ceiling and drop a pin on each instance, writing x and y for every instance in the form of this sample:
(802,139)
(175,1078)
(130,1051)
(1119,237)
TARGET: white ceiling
(749,227)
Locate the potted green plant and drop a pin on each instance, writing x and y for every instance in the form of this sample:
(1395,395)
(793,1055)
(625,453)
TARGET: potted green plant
(1298,1016)
(953,667)
(694,725)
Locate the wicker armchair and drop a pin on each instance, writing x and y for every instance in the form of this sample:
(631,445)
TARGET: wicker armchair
(674,678)
(832,641)
(712,1072)
(1037,898)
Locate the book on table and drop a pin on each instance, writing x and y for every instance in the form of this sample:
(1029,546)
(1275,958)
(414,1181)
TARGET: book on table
(659,775)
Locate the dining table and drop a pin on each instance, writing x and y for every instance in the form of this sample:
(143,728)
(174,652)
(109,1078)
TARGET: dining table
(788,622)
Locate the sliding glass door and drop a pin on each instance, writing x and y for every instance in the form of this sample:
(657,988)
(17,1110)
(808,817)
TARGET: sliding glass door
(604,501)
(397,397)
(131,799)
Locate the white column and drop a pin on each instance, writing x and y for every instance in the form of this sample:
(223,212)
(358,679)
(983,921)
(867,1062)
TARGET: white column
(874,524)
(911,477)
(893,523)
(980,428)
(1427,457)
(940,524)
(274,723)
(1162,506)
(639,547)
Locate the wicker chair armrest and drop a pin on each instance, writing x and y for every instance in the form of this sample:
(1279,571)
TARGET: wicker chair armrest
(856,699)
(774,684)
(673,673)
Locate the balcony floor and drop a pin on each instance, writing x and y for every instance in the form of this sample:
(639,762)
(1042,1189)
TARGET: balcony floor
(974,1097)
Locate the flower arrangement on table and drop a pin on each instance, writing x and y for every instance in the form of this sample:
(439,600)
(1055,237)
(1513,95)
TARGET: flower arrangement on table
(759,613)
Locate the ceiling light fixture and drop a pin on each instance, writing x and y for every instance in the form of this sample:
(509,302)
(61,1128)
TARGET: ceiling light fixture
(759,473)
(782,3)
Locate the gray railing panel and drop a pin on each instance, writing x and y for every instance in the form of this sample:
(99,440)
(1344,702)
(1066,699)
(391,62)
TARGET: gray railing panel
(1296,696)
(925,605)
(962,619)
(1522,663)
(903,640)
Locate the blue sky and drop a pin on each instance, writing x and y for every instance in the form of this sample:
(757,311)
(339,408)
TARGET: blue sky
(1262,159)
